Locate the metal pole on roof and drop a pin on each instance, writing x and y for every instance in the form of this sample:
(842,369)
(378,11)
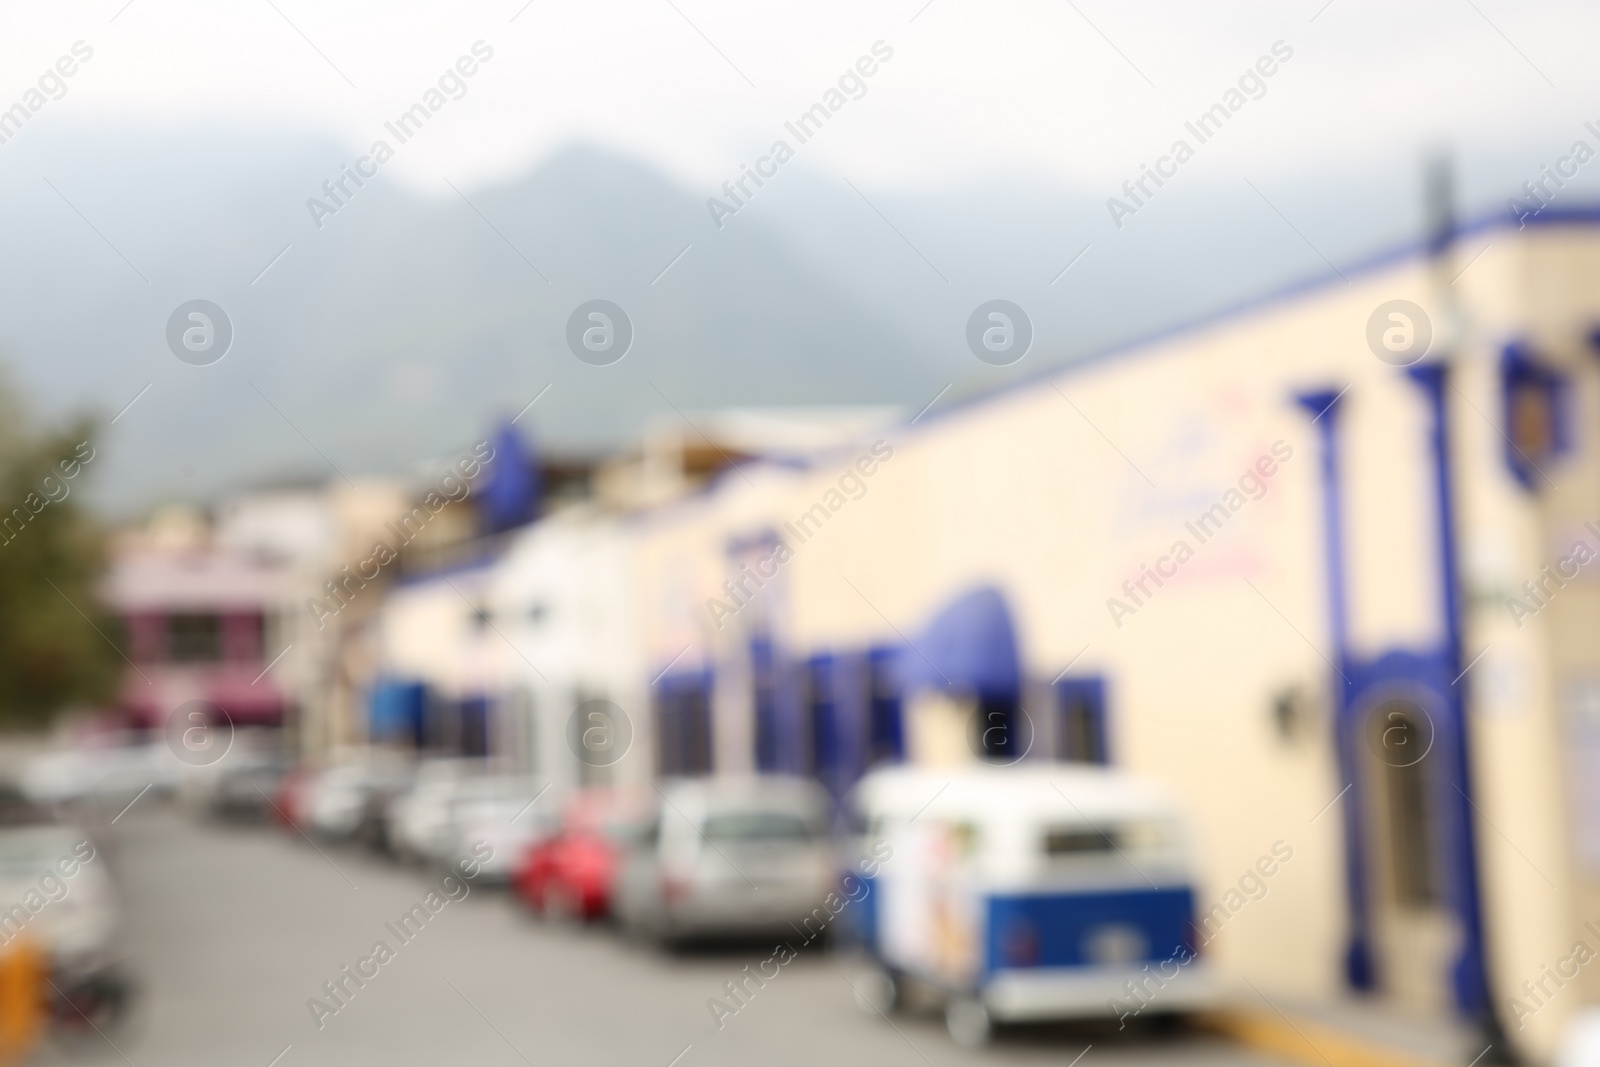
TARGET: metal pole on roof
(1439,226)
(1440,222)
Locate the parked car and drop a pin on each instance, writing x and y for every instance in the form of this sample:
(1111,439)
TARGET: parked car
(338,800)
(493,821)
(572,873)
(1027,893)
(418,819)
(108,769)
(57,895)
(378,801)
(241,789)
(728,858)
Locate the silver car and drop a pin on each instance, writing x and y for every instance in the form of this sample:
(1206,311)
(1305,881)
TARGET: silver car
(728,858)
(417,822)
(342,795)
(494,820)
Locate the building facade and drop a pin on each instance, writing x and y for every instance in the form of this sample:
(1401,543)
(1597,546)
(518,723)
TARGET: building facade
(1325,580)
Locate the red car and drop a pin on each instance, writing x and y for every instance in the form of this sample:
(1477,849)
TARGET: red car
(570,875)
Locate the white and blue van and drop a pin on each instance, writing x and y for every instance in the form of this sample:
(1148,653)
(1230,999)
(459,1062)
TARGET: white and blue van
(1028,892)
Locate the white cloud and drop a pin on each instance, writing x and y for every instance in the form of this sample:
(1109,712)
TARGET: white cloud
(1022,87)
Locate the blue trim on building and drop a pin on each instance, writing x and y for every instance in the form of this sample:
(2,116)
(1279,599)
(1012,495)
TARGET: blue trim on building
(1418,248)
(886,699)
(1323,407)
(1470,977)
(1429,679)
(1143,343)
(764,705)
(852,704)
(822,727)
(685,741)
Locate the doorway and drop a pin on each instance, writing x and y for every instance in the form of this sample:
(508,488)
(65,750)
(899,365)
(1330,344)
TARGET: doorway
(1415,937)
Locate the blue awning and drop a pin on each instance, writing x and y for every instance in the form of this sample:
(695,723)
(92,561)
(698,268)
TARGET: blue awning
(970,647)
(397,710)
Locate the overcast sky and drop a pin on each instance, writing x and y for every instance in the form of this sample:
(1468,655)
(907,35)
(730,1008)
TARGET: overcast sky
(1075,91)
(175,161)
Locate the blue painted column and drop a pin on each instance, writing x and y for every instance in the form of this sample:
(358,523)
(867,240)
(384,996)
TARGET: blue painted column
(1470,974)
(1323,406)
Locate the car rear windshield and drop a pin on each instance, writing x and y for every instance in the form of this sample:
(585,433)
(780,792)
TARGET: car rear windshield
(756,826)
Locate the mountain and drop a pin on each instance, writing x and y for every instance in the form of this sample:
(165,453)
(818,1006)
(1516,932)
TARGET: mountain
(398,329)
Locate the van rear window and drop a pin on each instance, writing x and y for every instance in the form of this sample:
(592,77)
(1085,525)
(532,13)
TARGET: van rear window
(1079,840)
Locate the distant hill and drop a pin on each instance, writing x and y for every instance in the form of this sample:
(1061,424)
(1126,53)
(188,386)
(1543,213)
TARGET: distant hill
(403,326)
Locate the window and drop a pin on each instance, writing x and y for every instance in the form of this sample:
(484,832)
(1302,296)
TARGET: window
(1080,839)
(194,638)
(885,740)
(1081,722)
(996,728)
(1533,428)
(683,725)
(243,636)
(1077,840)
(1535,412)
(820,707)
(764,703)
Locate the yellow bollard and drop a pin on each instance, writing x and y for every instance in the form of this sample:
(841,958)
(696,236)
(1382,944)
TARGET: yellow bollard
(22,981)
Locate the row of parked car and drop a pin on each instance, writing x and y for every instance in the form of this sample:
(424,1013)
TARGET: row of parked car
(690,859)
(1000,894)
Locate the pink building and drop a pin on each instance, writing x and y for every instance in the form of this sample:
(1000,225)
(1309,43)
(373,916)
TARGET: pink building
(199,624)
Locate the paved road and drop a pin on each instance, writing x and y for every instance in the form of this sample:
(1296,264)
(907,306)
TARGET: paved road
(231,931)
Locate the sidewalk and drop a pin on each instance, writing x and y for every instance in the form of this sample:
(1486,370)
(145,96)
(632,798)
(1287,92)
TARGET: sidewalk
(1348,1033)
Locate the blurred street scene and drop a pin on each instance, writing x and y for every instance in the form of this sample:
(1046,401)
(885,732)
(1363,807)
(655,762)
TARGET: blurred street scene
(689,535)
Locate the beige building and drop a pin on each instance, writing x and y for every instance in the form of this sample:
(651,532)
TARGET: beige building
(1278,561)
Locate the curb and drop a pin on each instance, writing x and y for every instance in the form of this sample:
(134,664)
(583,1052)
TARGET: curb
(1313,1044)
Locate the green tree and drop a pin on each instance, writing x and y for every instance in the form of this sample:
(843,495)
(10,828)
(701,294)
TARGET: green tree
(55,647)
